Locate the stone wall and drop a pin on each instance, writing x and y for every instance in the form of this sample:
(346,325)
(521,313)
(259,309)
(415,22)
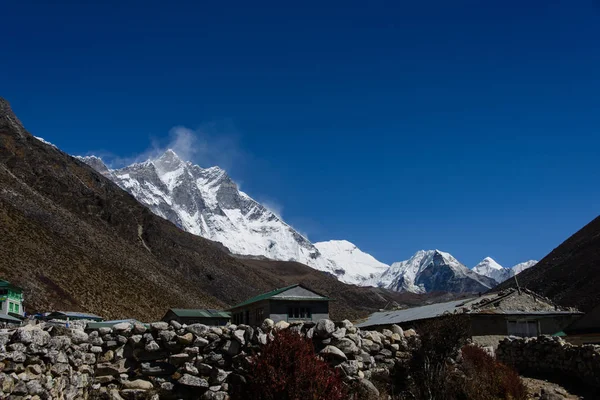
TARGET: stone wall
(552,357)
(177,361)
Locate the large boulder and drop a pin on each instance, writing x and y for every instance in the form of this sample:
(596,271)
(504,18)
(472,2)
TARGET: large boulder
(267,325)
(197,329)
(347,346)
(281,325)
(324,328)
(333,353)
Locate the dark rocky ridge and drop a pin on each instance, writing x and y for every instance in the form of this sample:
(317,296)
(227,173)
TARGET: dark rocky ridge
(74,240)
(570,274)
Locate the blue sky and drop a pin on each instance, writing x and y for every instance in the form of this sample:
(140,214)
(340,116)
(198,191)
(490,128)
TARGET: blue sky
(466,126)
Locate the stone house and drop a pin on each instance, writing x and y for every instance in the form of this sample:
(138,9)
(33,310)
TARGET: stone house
(291,303)
(514,312)
(585,330)
(197,316)
(11,302)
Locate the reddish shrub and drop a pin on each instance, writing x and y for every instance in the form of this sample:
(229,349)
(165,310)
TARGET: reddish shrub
(488,378)
(288,369)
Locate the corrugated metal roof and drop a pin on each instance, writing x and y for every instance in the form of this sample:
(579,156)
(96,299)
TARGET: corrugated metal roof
(74,314)
(412,314)
(9,318)
(110,324)
(263,296)
(451,307)
(200,313)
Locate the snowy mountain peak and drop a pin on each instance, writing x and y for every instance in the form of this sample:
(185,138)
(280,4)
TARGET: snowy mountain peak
(357,265)
(207,202)
(433,270)
(490,268)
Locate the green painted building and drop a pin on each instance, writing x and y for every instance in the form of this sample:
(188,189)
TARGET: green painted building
(291,303)
(11,300)
(197,316)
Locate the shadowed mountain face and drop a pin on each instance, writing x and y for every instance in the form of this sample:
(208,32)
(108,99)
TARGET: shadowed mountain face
(570,274)
(76,241)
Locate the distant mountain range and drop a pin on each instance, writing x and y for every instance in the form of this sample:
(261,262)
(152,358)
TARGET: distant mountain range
(490,268)
(208,203)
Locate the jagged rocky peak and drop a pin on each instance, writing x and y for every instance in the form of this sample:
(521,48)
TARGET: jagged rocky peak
(207,202)
(433,270)
(95,162)
(9,120)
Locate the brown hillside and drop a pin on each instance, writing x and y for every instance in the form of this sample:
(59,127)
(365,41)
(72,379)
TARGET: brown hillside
(570,274)
(76,241)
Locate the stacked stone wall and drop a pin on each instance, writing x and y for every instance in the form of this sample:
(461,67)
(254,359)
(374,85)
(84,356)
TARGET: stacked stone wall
(164,361)
(549,356)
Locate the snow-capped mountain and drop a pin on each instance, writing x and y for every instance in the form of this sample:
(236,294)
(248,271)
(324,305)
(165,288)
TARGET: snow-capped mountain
(206,202)
(358,265)
(490,268)
(433,270)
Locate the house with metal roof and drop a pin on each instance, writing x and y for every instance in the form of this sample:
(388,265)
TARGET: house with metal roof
(291,303)
(517,312)
(197,316)
(11,303)
(72,316)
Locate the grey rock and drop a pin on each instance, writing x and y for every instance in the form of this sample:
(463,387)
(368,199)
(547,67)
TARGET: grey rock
(333,353)
(193,381)
(324,328)
(159,326)
(231,347)
(152,346)
(78,337)
(267,325)
(239,336)
(347,346)
(197,329)
(139,384)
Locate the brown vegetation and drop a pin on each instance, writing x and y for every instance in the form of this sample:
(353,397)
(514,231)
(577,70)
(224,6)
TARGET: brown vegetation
(76,241)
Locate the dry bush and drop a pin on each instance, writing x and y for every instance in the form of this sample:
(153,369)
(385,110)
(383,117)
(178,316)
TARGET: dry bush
(428,376)
(487,379)
(287,368)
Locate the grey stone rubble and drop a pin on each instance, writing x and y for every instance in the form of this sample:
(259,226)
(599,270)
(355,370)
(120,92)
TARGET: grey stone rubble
(163,361)
(552,356)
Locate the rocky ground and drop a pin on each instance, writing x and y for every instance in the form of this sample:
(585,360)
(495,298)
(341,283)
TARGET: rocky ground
(544,390)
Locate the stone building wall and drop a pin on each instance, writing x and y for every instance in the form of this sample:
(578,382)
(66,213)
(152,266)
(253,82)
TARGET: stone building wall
(552,356)
(169,360)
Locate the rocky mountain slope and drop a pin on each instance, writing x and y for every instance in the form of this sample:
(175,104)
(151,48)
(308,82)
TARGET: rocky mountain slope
(74,240)
(490,268)
(570,274)
(433,270)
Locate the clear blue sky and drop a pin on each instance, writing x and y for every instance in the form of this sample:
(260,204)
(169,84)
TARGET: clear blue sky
(468,126)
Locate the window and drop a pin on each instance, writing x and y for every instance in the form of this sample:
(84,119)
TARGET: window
(523,328)
(16,308)
(10,307)
(259,315)
(299,313)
